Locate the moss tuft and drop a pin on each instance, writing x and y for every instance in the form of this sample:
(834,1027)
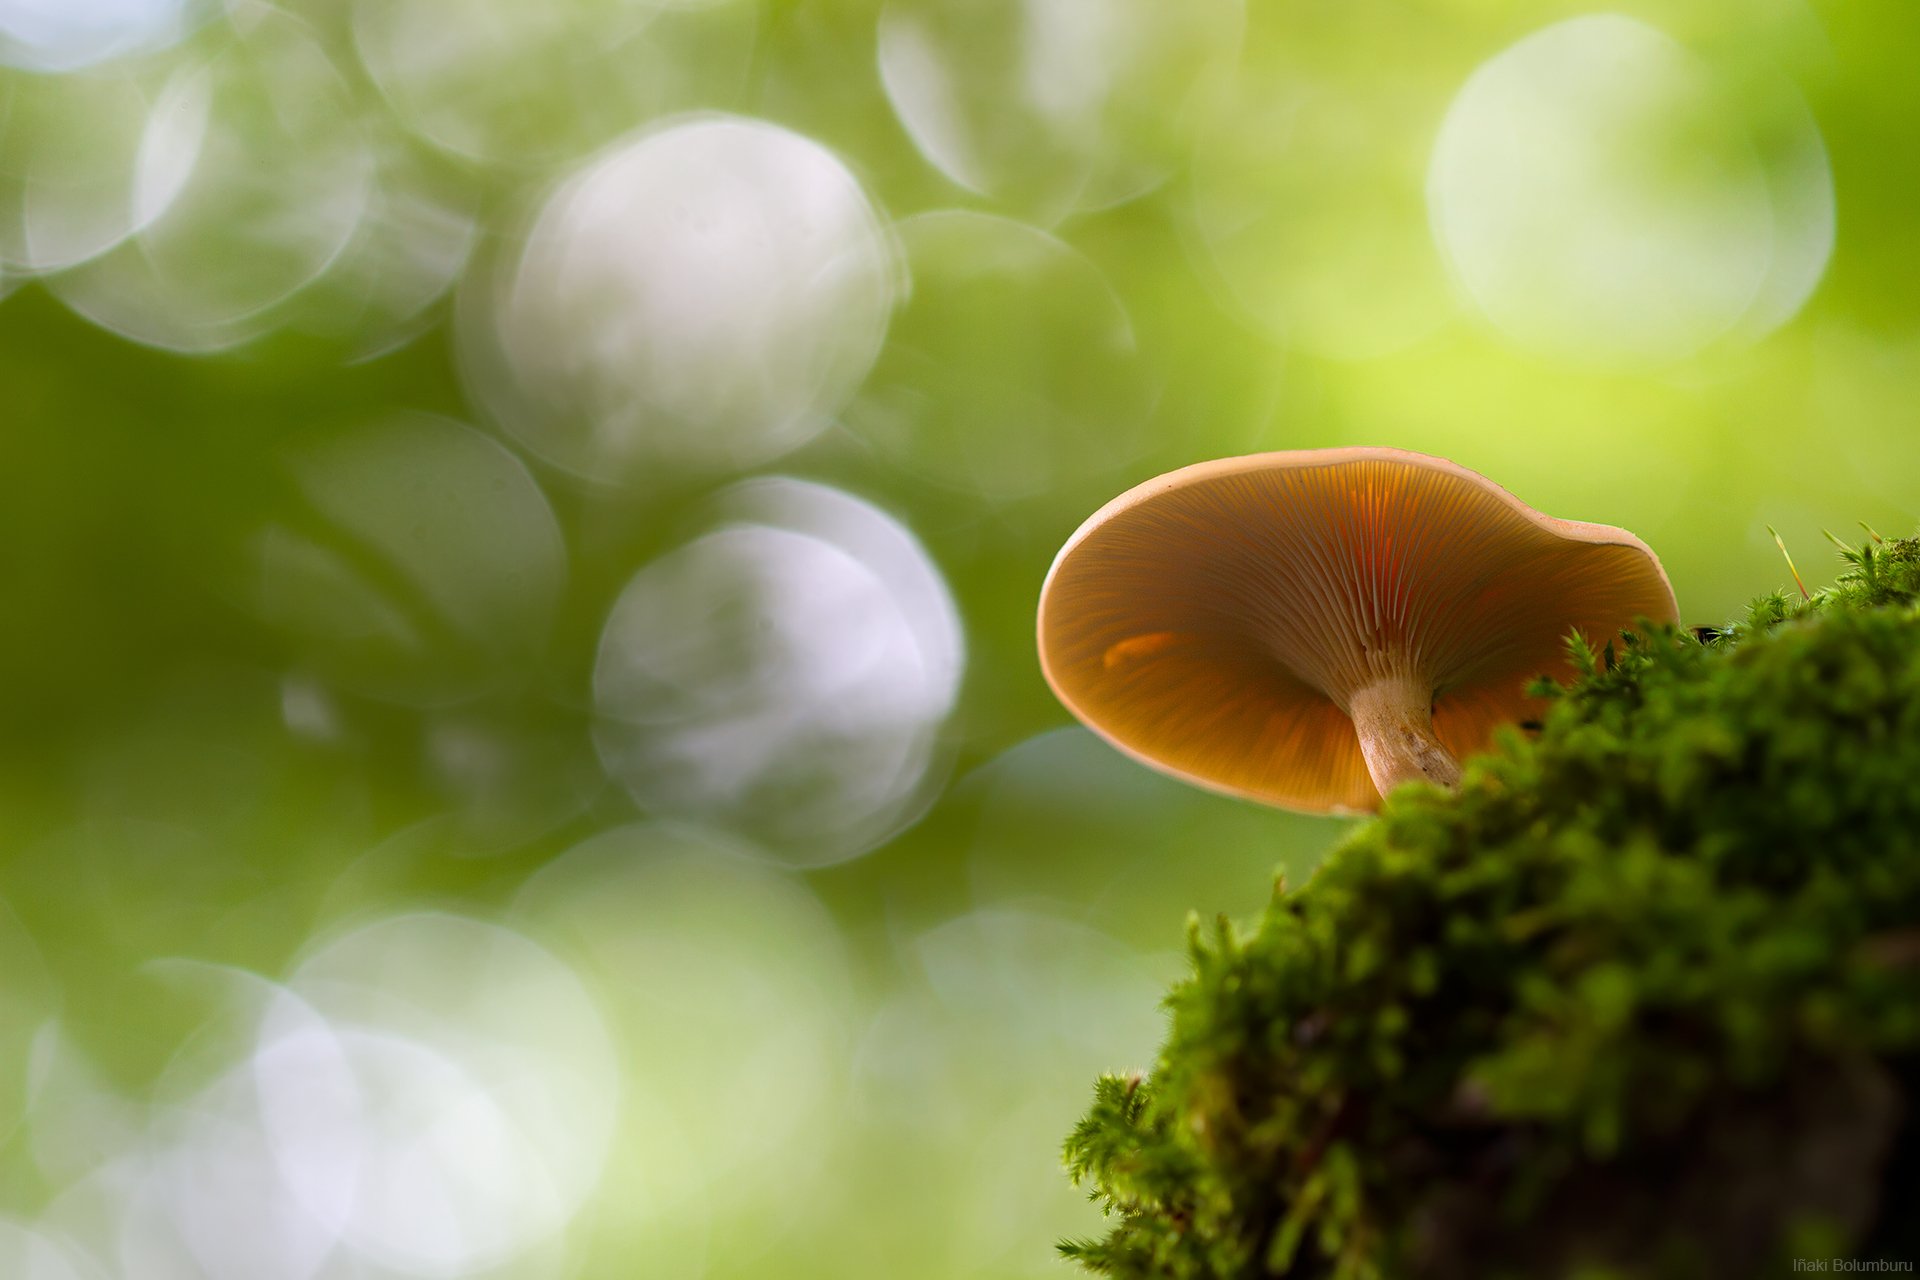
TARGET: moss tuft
(1641,999)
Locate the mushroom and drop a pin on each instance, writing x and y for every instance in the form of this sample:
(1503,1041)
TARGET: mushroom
(1311,629)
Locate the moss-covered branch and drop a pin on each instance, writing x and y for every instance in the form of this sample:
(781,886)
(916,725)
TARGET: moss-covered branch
(1642,998)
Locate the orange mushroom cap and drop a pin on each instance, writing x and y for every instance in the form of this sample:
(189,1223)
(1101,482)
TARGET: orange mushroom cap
(1228,622)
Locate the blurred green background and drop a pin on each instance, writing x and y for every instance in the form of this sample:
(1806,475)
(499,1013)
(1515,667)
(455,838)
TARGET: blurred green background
(523,751)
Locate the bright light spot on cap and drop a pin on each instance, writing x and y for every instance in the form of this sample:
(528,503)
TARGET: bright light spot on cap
(452,517)
(711,292)
(784,676)
(253,178)
(1011,369)
(508,81)
(1053,105)
(727,988)
(61,35)
(463,1079)
(1600,195)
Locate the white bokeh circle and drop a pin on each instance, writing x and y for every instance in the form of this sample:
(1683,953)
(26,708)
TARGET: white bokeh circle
(432,570)
(1308,209)
(1054,106)
(515,83)
(717,975)
(253,176)
(65,35)
(69,151)
(784,676)
(710,292)
(1602,195)
(472,1074)
(1011,369)
(29,1254)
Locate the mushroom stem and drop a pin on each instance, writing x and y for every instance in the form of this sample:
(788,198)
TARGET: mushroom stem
(1394,719)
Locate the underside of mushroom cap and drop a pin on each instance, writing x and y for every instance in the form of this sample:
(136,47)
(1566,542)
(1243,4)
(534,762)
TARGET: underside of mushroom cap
(1216,621)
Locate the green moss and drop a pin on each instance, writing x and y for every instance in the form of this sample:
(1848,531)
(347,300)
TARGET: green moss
(1641,999)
